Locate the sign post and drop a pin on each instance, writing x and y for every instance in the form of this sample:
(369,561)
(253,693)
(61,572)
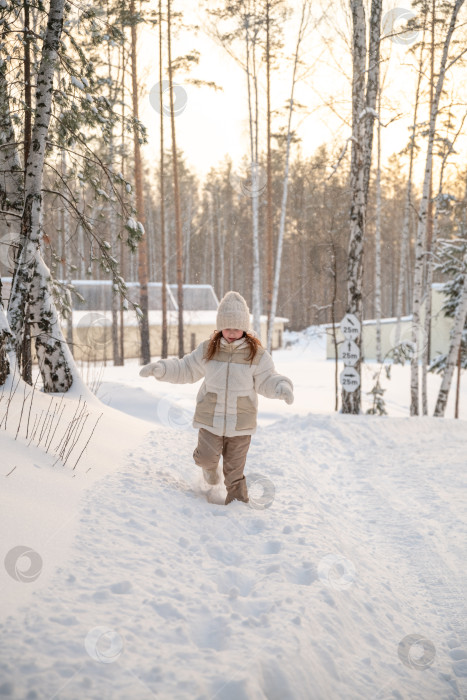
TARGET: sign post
(350,353)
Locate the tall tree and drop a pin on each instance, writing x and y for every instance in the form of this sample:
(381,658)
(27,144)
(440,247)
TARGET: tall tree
(164,348)
(143,268)
(408,205)
(460,319)
(365,84)
(178,215)
(30,293)
(304,19)
(421,240)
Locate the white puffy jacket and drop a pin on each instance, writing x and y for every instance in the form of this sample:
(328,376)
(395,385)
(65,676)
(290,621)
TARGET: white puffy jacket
(227,401)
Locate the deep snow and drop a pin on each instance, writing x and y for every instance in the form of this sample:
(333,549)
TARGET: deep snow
(145,586)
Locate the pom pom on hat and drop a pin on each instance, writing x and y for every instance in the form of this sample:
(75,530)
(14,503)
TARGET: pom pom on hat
(233,312)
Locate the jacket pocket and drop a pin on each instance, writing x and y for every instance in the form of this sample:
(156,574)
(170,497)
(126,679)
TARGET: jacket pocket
(246,413)
(205,408)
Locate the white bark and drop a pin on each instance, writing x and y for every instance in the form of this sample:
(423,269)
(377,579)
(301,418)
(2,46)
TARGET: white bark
(30,285)
(364,94)
(11,200)
(11,177)
(420,247)
(456,337)
(6,345)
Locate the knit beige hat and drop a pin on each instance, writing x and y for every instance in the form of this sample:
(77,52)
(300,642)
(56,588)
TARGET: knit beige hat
(233,312)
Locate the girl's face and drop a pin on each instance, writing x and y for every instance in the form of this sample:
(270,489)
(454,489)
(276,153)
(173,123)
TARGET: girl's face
(231,334)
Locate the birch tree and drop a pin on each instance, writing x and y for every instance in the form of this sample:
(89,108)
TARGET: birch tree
(421,238)
(365,84)
(460,319)
(31,308)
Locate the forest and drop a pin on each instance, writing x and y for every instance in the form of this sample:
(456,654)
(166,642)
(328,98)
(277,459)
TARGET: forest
(363,223)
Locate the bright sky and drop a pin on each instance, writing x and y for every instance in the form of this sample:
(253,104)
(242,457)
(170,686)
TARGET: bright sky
(214,123)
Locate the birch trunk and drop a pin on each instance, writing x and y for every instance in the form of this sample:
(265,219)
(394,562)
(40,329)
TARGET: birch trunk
(456,337)
(11,199)
(285,184)
(420,247)
(30,291)
(363,110)
(6,344)
(11,177)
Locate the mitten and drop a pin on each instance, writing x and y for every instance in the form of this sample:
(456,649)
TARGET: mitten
(156,369)
(283,391)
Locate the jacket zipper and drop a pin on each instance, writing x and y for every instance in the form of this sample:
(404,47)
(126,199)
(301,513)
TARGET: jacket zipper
(226,382)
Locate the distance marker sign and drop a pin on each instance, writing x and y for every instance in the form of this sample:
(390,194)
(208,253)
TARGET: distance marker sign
(350,353)
(350,379)
(350,327)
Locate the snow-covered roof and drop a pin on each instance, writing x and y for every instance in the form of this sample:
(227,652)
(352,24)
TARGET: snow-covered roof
(98,295)
(371,321)
(191,318)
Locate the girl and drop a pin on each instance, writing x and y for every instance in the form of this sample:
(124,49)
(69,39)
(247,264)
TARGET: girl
(236,368)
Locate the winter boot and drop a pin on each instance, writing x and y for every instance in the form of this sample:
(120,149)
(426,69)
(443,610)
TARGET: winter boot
(237,492)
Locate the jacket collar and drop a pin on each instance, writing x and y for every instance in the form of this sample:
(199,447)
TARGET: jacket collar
(233,345)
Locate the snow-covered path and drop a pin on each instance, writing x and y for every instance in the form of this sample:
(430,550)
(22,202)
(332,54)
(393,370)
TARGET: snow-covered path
(168,594)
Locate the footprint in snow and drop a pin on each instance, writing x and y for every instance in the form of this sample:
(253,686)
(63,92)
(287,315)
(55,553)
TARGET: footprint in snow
(121,587)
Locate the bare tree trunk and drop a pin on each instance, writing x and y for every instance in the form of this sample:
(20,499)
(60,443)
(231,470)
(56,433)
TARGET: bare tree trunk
(65,235)
(456,338)
(11,205)
(143,274)
(212,246)
(420,250)
(363,111)
(123,257)
(429,237)
(280,239)
(220,244)
(162,197)
(458,382)
(250,44)
(113,227)
(378,239)
(30,288)
(404,249)
(178,215)
(6,343)
(269,236)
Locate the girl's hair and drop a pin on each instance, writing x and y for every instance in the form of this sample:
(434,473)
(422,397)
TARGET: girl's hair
(215,340)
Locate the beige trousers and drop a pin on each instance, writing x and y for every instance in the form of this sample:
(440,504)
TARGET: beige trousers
(233,450)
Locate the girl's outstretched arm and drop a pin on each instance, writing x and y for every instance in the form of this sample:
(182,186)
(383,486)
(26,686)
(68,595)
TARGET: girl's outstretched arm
(187,370)
(267,380)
